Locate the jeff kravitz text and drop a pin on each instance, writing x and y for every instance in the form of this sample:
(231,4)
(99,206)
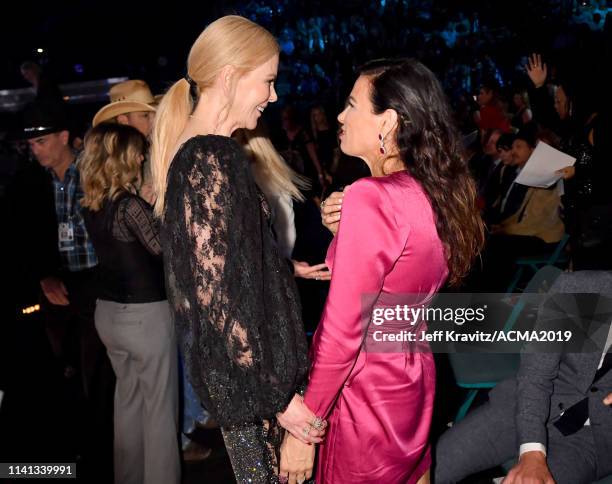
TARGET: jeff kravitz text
(450,336)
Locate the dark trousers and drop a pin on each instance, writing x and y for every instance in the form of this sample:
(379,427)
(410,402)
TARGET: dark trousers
(487,438)
(75,343)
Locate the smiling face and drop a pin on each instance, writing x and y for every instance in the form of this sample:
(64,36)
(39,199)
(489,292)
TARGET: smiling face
(254,91)
(360,126)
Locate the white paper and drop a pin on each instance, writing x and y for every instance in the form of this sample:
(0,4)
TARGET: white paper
(539,171)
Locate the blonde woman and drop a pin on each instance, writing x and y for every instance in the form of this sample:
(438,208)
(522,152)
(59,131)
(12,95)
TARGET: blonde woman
(132,315)
(232,295)
(281,185)
(276,180)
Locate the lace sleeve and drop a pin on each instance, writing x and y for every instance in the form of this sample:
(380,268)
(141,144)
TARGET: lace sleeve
(138,218)
(207,227)
(240,342)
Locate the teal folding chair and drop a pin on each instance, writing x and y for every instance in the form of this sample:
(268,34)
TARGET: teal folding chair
(557,258)
(477,371)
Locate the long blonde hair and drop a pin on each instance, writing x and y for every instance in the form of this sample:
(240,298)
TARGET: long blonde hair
(230,40)
(111,163)
(270,171)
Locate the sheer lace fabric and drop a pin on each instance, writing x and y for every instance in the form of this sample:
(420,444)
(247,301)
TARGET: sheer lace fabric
(134,220)
(233,297)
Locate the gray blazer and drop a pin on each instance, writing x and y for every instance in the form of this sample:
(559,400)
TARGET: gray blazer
(549,383)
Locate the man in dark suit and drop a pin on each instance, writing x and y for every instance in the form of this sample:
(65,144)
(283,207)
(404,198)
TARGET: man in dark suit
(556,415)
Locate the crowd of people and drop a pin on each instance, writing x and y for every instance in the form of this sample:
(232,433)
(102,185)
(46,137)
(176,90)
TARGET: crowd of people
(463,48)
(183,250)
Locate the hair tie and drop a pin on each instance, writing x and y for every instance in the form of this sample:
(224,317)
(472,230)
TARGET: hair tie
(193,87)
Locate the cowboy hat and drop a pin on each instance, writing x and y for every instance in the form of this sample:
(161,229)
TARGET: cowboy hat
(126,97)
(39,119)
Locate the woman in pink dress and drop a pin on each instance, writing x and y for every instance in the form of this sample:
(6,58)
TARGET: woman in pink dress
(407,230)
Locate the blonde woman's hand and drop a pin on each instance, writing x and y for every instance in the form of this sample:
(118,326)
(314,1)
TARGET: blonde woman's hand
(331,209)
(297,460)
(319,272)
(300,422)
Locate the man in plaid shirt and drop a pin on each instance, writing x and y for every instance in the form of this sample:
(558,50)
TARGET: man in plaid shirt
(65,263)
(77,254)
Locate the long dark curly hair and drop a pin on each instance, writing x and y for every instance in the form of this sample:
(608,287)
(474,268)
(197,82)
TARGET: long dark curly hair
(431,149)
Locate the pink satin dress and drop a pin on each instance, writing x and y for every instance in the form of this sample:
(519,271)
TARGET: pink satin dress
(378,402)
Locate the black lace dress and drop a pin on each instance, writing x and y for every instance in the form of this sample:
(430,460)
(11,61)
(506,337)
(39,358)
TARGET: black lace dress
(234,300)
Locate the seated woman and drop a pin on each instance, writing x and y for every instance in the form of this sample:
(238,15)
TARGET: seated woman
(132,315)
(278,182)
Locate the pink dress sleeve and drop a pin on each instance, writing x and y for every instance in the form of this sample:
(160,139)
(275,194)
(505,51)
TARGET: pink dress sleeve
(366,247)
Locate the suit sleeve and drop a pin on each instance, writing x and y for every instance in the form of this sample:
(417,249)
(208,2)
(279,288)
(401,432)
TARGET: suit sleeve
(367,246)
(537,372)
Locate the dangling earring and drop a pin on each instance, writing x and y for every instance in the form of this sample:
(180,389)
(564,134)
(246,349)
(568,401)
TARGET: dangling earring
(383,151)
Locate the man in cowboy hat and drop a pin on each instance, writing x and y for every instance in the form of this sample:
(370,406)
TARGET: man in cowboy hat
(54,249)
(132,103)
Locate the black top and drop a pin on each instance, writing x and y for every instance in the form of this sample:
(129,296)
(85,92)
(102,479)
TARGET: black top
(126,238)
(233,298)
(589,185)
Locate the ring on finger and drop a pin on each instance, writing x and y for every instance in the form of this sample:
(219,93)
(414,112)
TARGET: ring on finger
(301,480)
(306,431)
(317,423)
